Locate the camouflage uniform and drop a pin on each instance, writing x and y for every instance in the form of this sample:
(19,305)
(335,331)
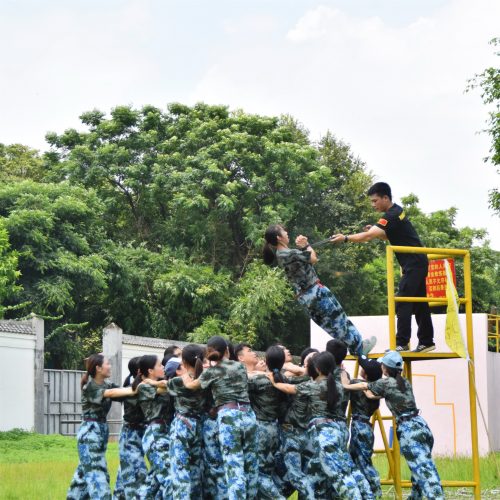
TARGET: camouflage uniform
(214,480)
(186,440)
(132,471)
(157,409)
(362,437)
(269,404)
(322,305)
(237,429)
(415,437)
(329,435)
(91,478)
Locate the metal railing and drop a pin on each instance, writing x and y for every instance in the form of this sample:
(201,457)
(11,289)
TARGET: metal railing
(493,332)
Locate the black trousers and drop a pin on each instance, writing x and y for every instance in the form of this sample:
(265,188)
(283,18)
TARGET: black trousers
(412,284)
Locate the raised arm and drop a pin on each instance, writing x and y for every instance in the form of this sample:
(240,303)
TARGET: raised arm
(301,242)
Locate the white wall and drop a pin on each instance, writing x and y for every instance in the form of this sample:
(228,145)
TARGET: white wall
(17,392)
(446,409)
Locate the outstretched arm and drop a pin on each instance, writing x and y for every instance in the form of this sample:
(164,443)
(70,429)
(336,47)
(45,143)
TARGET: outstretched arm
(369,394)
(301,242)
(189,383)
(374,232)
(119,392)
(286,388)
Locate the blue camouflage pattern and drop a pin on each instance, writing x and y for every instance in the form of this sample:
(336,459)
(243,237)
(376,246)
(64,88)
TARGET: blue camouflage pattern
(156,444)
(361,451)
(91,478)
(238,442)
(214,479)
(416,442)
(327,312)
(267,448)
(132,471)
(297,451)
(185,457)
(329,439)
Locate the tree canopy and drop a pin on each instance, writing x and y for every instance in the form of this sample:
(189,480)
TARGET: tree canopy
(155,219)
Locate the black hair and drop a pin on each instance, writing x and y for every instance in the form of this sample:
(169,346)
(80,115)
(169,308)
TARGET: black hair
(371,367)
(324,363)
(271,237)
(239,347)
(230,348)
(275,359)
(305,353)
(380,189)
(91,364)
(146,362)
(170,350)
(192,355)
(395,373)
(311,366)
(133,370)
(216,348)
(338,349)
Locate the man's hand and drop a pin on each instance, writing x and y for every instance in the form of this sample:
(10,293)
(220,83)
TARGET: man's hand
(337,238)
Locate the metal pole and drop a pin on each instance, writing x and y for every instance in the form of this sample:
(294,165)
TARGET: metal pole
(472,392)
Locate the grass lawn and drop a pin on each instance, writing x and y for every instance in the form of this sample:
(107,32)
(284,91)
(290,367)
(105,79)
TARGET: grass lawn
(34,466)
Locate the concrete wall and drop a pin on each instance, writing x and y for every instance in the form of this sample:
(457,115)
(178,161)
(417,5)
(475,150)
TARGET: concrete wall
(441,386)
(21,352)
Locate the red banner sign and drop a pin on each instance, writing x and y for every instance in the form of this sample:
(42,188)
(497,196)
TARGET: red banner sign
(436,277)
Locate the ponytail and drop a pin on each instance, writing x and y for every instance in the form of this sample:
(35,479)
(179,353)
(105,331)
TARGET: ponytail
(192,355)
(324,362)
(275,359)
(395,373)
(91,364)
(133,368)
(332,393)
(216,348)
(271,237)
(146,363)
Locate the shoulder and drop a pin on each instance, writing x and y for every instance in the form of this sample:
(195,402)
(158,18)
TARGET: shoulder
(380,386)
(174,384)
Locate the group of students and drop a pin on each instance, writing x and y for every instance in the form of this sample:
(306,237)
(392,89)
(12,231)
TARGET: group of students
(219,423)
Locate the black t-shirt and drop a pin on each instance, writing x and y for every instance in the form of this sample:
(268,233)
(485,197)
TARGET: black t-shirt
(400,232)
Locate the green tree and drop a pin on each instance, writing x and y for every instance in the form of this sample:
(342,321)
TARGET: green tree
(9,273)
(489,82)
(19,162)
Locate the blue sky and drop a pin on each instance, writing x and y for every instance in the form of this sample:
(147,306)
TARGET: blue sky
(386,76)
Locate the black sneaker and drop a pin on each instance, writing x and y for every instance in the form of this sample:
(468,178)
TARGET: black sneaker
(400,348)
(425,348)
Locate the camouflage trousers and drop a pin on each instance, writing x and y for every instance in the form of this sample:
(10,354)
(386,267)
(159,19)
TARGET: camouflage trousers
(327,312)
(361,451)
(132,471)
(238,442)
(297,452)
(329,439)
(156,444)
(267,447)
(91,478)
(214,479)
(185,457)
(416,442)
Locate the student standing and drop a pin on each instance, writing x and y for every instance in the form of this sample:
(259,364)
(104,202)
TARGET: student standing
(91,478)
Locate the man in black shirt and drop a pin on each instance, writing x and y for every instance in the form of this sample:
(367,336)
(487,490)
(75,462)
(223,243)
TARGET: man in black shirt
(395,227)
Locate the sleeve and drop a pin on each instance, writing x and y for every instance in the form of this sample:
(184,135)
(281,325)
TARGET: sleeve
(297,380)
(173,386)
(303,389)
(94,393)
(378,387)
(146,392)
(301,255)
(206,378)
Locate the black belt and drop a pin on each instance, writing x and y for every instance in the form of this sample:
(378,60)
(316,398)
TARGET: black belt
(135,426)
(304,290)
(407,416)
(188,415)
(361,418)
(98,420)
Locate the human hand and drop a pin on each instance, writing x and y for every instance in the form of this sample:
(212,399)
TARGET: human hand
(301,241)
(337,238)
(367,228)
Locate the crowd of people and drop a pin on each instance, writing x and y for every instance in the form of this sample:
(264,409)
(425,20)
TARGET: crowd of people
(217,422)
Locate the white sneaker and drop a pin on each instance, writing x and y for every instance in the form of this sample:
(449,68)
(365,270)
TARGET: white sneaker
(368,345)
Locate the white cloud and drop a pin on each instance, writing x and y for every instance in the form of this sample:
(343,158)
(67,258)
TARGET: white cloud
(395,93)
